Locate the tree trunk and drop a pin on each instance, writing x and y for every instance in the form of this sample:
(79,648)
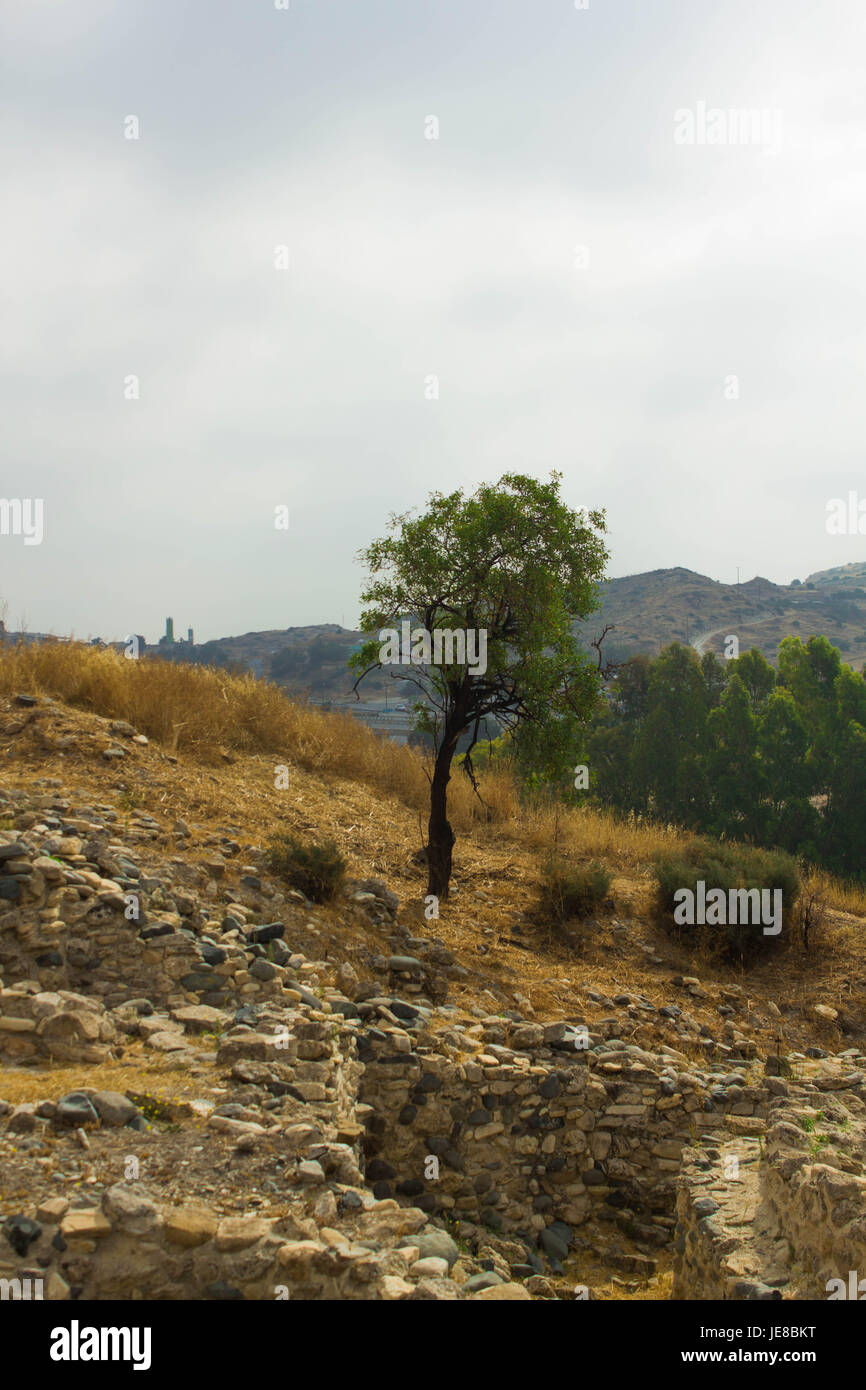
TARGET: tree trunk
(440,836)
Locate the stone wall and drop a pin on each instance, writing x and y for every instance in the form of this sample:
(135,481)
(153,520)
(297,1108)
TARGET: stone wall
(533,1135)
(784,1215)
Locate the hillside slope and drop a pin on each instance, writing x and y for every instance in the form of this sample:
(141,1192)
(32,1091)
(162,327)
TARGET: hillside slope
(284,1071)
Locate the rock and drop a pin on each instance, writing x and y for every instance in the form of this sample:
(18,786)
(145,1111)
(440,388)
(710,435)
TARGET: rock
(76,1109)
(239,1232)
(503,1293)
(309,1171)
(189,1226)
(271,932)
(263,970)
(200,981)
(435,1245)
(201,1018)
(52,1210)
(554,1248)
(432,1267)
(85,1225)
(21,1232)
(167,1042)
(17,850)
(112,1107)
(128,1211)
(487,1279)
(392,1287)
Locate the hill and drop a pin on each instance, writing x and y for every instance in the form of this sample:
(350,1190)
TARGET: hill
(650,610)
(647,612)
(353,1099)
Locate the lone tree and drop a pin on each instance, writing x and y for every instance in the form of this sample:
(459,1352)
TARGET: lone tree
(511,566)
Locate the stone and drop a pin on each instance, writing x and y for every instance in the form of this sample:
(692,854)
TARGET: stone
(112,1107)
(85,1225)
(432,1267)
(487,1279)
(52,1210)
(497,1293)
(76,1109)
(189,1226)
(271,932)
(239,1232)
(21,1232)
(435,1244)
(129,1211)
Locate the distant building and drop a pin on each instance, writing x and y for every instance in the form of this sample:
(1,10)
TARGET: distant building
(190,637)
(169,630)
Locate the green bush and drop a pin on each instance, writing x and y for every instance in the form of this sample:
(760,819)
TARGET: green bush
(569,890)
(316,870)
(726,867)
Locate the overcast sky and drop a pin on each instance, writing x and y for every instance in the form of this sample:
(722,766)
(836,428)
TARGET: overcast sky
(412,258)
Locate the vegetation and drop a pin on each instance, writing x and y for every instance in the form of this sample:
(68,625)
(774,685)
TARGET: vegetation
(569,890)
(238,714)
(317,871)
(511,562)
(725,867)
(736,750)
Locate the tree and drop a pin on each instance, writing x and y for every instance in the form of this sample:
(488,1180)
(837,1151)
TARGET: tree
(715,676)
(734,766)
(670,757)
(757,675)
(511,562)
(788,775)
(810,673)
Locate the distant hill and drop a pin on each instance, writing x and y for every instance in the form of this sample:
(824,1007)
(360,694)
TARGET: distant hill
(650,610)
(646,611)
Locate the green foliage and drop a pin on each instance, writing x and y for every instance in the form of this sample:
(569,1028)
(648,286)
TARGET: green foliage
(671,748)
(511,561)
(315,870)
(757,675)
(731,750)
(725,867)
(567,890)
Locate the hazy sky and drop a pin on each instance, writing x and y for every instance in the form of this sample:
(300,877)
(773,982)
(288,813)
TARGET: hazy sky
(412,258)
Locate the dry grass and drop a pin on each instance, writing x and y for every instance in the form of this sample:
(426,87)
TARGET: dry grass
(208,714)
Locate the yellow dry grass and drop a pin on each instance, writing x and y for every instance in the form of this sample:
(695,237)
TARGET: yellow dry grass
(209,714)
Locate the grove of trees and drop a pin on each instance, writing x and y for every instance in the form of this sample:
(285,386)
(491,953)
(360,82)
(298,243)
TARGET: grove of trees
(738,750)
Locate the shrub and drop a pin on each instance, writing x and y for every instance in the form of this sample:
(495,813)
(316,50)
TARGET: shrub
(569,890)
(316,870)
(726,867)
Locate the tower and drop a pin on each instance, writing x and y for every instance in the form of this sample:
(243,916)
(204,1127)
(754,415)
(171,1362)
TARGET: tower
(169,629)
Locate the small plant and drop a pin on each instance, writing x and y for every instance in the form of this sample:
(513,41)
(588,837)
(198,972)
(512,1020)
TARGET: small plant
(812,913)
(730,869)
(315,870)
(568,890)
